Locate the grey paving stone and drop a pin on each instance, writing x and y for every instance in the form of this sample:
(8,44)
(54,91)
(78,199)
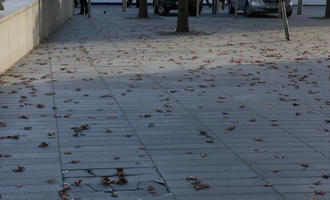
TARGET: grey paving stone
(109,70)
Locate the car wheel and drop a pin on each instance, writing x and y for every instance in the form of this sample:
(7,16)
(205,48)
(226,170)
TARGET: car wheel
(247,10)
(162,10)
(231,9)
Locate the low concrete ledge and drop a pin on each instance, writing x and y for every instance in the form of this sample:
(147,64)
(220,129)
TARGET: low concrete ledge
(24,26)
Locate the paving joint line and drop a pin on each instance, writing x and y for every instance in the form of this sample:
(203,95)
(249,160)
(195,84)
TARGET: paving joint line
(129,122)
(210,130)
(281,128)
(55,113)
(137,135)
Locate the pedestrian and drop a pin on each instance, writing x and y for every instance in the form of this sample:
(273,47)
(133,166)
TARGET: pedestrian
(208,3)
(83,7)
(75,3)
(129,2)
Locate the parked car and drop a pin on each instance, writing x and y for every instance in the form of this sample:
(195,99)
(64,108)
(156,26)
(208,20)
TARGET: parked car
(259,6)
(163,7)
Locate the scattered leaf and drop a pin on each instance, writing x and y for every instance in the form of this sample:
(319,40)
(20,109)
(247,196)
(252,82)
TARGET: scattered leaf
(258,139)
(43,144)
(319,192)
(19,168)
(230,128)
(107,130)
(325,176)
(78,182)
(304,164)
(3,124)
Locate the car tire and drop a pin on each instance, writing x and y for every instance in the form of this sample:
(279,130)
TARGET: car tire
(247,11)
(162,10)
(231,9)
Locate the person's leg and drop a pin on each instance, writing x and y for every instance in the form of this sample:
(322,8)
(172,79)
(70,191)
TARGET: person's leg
(81,7)
(208,3)
(86,7)
(129,2)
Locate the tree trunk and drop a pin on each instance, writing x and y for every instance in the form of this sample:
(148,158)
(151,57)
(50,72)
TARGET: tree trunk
(214,7)
(182,21)
(143,9)
(327,9)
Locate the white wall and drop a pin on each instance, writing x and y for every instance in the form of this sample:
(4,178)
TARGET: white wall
(22,30)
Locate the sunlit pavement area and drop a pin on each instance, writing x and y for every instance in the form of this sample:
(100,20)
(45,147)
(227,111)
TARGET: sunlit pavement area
(116,107)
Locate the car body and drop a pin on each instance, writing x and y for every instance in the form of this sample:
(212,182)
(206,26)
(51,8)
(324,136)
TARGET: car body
(259,6)
(163,7)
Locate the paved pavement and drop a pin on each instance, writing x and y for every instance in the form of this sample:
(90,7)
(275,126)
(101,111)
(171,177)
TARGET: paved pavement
(121,108)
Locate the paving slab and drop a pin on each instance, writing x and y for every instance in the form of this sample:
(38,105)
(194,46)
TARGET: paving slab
(116,107)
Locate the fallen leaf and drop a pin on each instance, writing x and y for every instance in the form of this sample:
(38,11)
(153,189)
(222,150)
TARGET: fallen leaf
(51,181)
(279,156)
(114,195)
(258,139)
(15,137)
(43,144)
(230,128)
(51,133)
(23,117)
(112,117)
(197,184)
(80,128)
(145,115)
(325,176)
(19,168)
(268,185)
(319,192)
(106,181)
(259,150)
(304,164)
(3,124)
(5,155)
(253,119)
(40,105)
(152,190)
(75,161)
(78,182)
(107,130)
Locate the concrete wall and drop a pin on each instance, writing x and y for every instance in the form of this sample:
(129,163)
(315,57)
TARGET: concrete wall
(21,31)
